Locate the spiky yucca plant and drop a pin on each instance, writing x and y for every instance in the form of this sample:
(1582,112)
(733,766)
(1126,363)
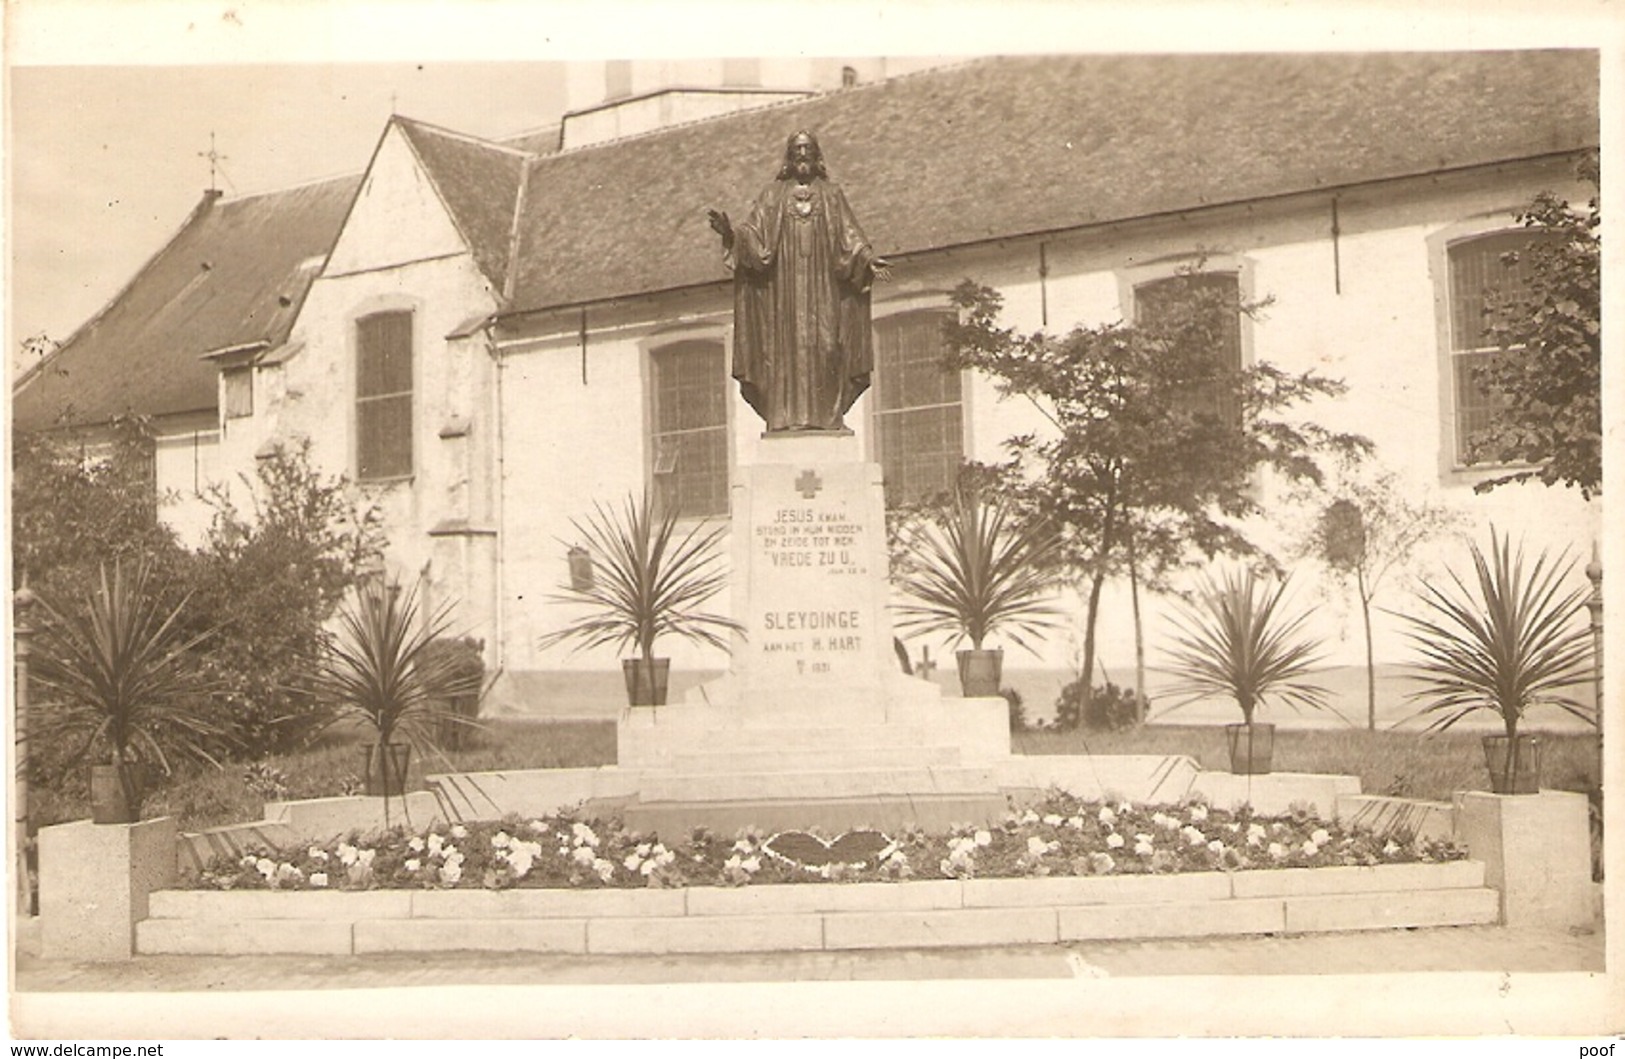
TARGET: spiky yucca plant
(974,572)
(380,668)
(647,581)
(1504,640)
(1236,643)
(115,673)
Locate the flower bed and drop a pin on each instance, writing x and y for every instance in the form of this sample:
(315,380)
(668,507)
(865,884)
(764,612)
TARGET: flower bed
(1060,836)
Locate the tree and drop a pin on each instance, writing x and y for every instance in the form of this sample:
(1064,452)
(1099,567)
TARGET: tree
(267,581)
(1550,371)
(79,500)
(1368,532)
(1156,444)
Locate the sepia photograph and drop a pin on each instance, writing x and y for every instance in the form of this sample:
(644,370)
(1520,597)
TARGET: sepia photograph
(739,521)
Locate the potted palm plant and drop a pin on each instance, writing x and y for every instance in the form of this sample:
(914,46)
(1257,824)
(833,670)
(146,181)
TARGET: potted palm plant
(646,581)
(1235,642)
(383,670)
(1503,641)
(116,673)
(971,572)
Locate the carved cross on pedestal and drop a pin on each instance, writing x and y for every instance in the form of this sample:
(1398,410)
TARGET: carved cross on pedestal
(808,484)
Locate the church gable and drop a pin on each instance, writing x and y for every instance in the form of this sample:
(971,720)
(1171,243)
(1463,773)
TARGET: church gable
(398,216)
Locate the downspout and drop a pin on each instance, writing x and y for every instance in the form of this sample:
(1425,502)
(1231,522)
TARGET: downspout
(499,503)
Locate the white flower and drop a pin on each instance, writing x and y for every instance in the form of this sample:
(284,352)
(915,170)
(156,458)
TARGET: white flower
(583,835)
(1198,813)
(520,861)
(743,846)
(500,840)
(1320,837)
(1142,846)
(1391,848)
(453,855)
(318,879)
(347,854)
(1037,846)
(412,865)
(1114,840)
(265,867)
(984,838)
(436,844)
(1255,834)
(365,856)
(731,864)
(288,873)
(459,831)
(1193,836)
(317,854)
(249,860)
(1215,847)
(1125,807)
(1029,817)
(1164,821)
(583,856)
(1052,820)
(415,844)
(604,868)
(1309,847)
(1277,851)
(632,861)
(647,868)
(537,827)
(751,864)
(1107,817)
(451,872)
(1076,823)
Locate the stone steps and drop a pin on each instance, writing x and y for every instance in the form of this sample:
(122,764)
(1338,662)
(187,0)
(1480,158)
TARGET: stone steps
(796,758)
(769,918)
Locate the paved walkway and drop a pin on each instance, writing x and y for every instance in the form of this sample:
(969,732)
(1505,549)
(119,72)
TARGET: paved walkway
(1494,949)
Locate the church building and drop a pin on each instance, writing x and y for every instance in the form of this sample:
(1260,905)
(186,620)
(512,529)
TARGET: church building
(488,337)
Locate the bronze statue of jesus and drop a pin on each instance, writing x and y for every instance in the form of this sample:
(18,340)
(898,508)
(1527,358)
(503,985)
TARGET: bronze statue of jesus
(802,273)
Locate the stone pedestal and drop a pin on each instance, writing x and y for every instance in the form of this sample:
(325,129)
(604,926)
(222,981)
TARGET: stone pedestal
(94,880)
(1536,850)
(815,712)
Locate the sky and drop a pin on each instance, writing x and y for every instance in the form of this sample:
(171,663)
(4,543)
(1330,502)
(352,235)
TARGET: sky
(111,105)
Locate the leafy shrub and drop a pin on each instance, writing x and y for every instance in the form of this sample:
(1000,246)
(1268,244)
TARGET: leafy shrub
(1018,710)
(267,581)
(1110,707)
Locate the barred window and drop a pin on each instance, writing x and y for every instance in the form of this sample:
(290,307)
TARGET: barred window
(1153,304)
(689,435)
(1478,273)
(383,396)
(918,407)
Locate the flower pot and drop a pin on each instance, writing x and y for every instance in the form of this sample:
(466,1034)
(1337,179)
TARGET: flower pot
(646,680)
(1520,775)
(386,773)
(1251,748)
(980,672)
(116,792)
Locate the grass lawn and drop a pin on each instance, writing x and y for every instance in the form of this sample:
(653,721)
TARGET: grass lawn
(1404,764)
(1398,763)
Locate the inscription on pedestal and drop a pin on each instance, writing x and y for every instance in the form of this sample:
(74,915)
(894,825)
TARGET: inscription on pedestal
(813,603)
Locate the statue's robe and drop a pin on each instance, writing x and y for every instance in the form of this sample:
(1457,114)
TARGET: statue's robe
(802,351)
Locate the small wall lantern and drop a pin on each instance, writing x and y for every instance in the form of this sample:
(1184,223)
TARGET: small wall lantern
(581,573)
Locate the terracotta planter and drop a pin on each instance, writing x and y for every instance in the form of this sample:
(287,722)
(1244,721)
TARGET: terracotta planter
(980,673)
(1520,775)
(1252,746)
(386,773)
(116,792)
(646,680)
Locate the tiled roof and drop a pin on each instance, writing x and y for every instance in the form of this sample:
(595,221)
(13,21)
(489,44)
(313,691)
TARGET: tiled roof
(235,274)
(479,183)
(1006,147)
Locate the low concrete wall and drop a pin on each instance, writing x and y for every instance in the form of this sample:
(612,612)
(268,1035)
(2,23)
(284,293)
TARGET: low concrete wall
(94,880)
(1536,849)
(820,916)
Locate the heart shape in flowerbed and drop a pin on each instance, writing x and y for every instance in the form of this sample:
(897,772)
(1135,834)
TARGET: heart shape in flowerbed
(855,848)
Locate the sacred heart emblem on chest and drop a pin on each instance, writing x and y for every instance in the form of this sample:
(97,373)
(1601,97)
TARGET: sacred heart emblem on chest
(855,849)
